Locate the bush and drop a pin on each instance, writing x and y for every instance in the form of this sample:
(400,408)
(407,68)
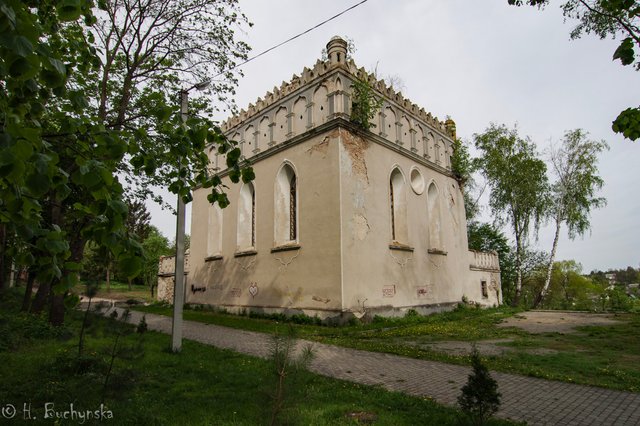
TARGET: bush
(480,398)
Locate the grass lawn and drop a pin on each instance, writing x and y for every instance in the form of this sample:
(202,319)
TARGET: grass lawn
(597,355)
(120,291)
(200,386)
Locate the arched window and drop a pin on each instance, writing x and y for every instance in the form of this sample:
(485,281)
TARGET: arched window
(286,206)
(405,133)
(433,204)
(320,105)
(246,237)
(390,124)
(281,128)
(398,207)
(299,119)
(214,239)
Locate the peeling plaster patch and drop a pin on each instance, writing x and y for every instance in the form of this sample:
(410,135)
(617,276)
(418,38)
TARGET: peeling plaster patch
(321,147)
(389,290)
(436,261)
(245,267)
(425,291)
(356,147)
(284,262)
(361,226)
(320,299)
(399,260)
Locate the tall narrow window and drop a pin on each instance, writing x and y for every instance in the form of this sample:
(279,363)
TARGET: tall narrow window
(433,201)
(286,206)
(292,208)
(392,204)
(253,219)
(214,239)
(246,235)
(398,205)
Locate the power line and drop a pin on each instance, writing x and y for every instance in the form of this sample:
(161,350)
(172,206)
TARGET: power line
(294,37)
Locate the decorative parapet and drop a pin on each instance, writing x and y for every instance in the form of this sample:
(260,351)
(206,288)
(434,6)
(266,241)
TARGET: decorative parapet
(484,261)
(322,93)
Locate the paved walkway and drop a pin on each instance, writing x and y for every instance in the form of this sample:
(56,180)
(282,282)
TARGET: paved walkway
(536,401)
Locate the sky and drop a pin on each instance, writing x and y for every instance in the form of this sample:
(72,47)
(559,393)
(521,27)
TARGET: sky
(478,62)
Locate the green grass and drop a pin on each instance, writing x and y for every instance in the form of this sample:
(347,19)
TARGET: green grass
(120,291)
(200,386)
(605,356)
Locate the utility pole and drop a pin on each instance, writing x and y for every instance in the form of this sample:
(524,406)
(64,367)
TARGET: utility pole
(178,289)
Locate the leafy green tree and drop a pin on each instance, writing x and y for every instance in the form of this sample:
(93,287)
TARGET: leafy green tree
(570,289)
(155,245)
(487,237)
(365,104)
(608,18)
(57,164)
(62,156)
(519,187)
(463,167)
(574,192)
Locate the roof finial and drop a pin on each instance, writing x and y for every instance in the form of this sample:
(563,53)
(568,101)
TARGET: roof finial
(337,50)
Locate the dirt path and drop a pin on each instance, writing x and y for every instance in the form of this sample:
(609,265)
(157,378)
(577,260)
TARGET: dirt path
(557,321)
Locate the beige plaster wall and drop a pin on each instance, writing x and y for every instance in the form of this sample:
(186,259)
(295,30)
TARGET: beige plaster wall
(307,278)
(379,276)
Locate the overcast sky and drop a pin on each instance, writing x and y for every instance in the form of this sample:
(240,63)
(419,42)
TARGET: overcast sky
(478,62)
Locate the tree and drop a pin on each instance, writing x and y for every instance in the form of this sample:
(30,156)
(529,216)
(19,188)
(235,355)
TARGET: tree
(57,164)
(574,192)
(463,167)
(570,289)
(480,398)
(152,49)
(519,187)
(62,156)
(608,18)
(155,245)
(487,237)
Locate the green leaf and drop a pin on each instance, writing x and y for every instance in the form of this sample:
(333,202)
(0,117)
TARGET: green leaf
(235,175)
(625,52)
(38,184)
(19,67)
(20,45)
(248,175)
(69,10)
(130,266)
(628,123)
(233,156)
(56,65)
(23,150)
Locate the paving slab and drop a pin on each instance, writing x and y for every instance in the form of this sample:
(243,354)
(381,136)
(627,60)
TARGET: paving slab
(535,401)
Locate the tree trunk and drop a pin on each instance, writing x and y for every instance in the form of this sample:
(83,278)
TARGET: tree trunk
(547,280)
(108,273)
(56,309)
(129,282)
(42,296)
(26,301)
(516,297)
(3,246)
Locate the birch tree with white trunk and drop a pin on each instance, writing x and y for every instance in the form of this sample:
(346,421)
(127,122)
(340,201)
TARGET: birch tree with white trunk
(574,193)
(519,186)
